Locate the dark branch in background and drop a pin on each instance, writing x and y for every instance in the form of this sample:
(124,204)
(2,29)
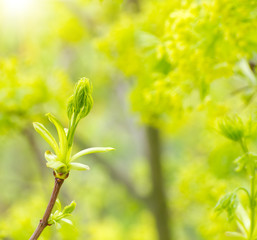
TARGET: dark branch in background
(252,66)
(159,202)
(134,4)
(29,135)
(115,174)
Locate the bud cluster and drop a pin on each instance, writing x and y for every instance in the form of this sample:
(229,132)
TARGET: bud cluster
(232,128)
(81,102)
(228,203)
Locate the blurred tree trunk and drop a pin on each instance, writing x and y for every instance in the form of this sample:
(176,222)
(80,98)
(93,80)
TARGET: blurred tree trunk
(135,4)
(158,206)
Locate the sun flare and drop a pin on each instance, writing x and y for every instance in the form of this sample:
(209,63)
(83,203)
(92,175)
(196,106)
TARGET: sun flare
(17,8)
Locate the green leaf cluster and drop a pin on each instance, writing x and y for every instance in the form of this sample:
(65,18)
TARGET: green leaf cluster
(228,203)
(188,45)
(79,105)
(238,131)
(61,160)
(232,128)
(61,215)
(247,160)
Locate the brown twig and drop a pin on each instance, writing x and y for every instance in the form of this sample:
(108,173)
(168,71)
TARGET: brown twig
(44,221)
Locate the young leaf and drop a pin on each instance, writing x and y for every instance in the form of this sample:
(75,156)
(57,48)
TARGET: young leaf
(57,165)
(91,150)
(58,225)
(244,160)
(58,204)
(70,107)
(49,156)
(41,129)
(69,209)
(246,70)
(79,166)
(228,203)
(60,130)
(241,162)
(66,131)
(235,234)
(67,221)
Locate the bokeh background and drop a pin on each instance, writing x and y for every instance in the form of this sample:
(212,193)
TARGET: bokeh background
(163,72)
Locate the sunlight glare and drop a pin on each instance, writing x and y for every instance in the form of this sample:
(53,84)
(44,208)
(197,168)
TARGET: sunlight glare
(17,8)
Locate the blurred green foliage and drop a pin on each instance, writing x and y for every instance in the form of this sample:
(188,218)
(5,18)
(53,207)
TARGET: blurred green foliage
(175,65)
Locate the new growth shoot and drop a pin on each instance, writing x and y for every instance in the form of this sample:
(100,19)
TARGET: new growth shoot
(238,131)
(61,159)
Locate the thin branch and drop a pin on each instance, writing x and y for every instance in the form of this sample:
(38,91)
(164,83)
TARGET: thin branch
(44,221)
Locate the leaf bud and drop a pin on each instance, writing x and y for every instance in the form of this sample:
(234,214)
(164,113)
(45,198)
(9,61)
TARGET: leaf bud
(70,208)
(82,99)
(70,107)
(232,128)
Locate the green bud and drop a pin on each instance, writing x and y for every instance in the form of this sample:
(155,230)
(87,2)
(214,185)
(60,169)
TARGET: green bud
(82,99)
(85,111)
(70,107)
(232,128)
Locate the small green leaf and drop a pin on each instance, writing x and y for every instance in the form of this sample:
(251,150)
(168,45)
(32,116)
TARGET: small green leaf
(59,215)
(69,209)
(91,150)
(235,234)
(57,165)
(49,156)
(41,129)
(240,163)
(246,161)
(79,166)
(67,221)
(70,107)
(246,70)
(58,204)
(66,131)
(58,225)
(228,203)
(60,130)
